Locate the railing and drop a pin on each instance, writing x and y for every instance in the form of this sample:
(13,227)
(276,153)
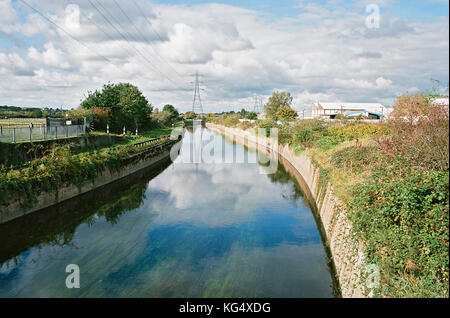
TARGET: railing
(146,143)
(42,132)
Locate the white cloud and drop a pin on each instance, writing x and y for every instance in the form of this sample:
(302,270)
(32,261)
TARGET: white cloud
(383,83)
(329,56)
(51,57)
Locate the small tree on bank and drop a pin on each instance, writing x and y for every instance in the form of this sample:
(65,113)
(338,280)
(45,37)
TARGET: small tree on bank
(190,115)
(252,116)
(286,114)
(167,117)
(276,101)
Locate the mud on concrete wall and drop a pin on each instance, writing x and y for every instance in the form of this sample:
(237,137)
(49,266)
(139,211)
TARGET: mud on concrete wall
(346,251)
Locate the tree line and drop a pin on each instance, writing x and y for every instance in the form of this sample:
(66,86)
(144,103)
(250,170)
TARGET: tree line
(123,105)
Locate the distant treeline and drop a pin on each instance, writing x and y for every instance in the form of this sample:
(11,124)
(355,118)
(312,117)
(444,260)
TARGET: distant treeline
(22,112)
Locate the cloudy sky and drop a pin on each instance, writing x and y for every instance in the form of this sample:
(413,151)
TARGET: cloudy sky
(52,54)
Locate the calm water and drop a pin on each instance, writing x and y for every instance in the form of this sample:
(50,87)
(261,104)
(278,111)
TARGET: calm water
(177,230)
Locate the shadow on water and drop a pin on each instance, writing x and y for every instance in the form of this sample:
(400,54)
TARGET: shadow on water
(56,225)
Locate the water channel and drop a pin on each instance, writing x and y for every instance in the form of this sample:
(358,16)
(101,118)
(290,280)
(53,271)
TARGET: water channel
(175,230)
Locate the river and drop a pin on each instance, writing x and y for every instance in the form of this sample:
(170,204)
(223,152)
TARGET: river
(176,230)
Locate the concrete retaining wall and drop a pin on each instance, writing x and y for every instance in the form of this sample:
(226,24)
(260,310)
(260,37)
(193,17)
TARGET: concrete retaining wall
(13,209)
(347,253)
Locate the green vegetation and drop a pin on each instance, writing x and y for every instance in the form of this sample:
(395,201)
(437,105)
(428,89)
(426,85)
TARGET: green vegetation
(29,112)
(60,165)
(393,178)
(251,116)
(286,114)
(168,117)
(190,115)
(119,105)
(276,101)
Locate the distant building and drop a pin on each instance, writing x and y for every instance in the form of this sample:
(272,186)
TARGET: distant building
(441,102)
(366,110)
(262,116)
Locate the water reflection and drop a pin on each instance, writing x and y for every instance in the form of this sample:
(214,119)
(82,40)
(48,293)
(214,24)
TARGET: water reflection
(193,230)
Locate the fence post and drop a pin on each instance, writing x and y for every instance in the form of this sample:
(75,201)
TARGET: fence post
(124,133)
(31,131)
(56,132)
(14,135)
(67,131)
(1,130)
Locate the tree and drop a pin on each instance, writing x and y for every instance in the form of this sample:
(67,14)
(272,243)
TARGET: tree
(37,113)
(173,113)
(123,103)
(286,114)
(170,108)
(252,116)
(167,117)
(190,115)
(277,101)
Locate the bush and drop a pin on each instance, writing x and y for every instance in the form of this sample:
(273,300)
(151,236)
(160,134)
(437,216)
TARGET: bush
(306,132)
(231,120)
(356,131)
(403,219)
(268,124)
(355,158)
(420,132)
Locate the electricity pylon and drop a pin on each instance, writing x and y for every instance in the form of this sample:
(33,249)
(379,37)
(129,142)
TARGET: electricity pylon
(257,108)
(199,108)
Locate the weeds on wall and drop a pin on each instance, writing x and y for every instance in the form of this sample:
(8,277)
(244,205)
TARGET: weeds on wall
(60,166)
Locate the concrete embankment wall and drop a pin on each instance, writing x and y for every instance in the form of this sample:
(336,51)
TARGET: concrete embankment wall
(347,252)
(13,208)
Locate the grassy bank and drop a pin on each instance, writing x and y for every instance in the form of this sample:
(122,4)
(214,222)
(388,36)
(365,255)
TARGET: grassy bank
(393,178)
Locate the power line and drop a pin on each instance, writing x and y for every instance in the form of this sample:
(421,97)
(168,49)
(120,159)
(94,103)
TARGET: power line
(124,37)
(149,23)
(143,37)
(70,35)
(101,29)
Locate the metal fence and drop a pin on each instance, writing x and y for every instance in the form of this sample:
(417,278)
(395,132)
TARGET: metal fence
(41,132)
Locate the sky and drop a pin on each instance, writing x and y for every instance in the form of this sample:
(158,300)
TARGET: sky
(53,54)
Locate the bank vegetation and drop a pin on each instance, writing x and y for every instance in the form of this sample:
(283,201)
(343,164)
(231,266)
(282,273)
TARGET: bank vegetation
(393,178)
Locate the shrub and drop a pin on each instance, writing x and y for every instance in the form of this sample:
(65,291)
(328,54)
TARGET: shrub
(403,219)
(355,158)
(420,132)
(307,132)
(268,124)
(231,120)
(356,131)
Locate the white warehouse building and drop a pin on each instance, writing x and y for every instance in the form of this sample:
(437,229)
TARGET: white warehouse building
(367,110)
